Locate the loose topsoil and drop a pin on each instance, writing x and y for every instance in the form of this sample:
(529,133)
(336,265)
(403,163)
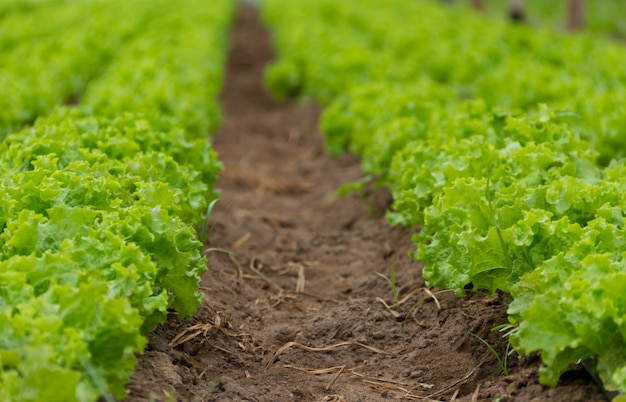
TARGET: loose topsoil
(294,308)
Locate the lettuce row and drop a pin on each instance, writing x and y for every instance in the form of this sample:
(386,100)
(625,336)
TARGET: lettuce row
(511,68)
(176,55)
(99,214)
(572,306)
(149,198)
(69,330)
(497,196)
(28,21)
(507,156)
(50,53)
(115,228)
(122,137)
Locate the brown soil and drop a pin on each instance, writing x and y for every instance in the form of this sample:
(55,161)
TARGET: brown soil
(294,309)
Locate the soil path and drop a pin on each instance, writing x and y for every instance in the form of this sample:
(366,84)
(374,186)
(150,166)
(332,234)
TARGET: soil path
(294,309)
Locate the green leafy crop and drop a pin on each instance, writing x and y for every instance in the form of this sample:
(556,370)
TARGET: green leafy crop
(100,201)
(503,144)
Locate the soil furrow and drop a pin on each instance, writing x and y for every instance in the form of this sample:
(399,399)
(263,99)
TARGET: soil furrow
(294,309)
